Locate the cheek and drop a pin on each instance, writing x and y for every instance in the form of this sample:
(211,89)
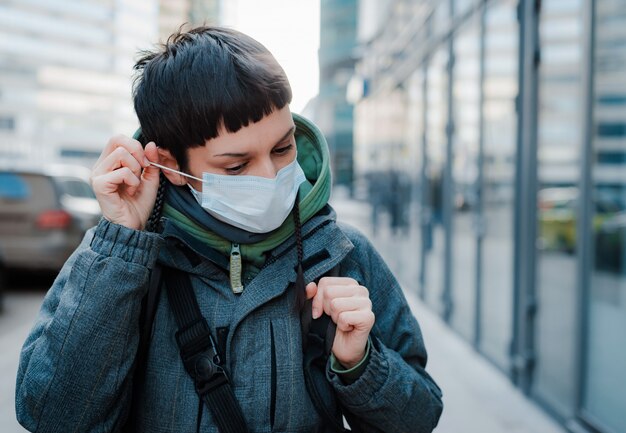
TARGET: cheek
(284,162)
(196,168)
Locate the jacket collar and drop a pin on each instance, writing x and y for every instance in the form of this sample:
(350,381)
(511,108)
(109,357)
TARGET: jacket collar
(186,251)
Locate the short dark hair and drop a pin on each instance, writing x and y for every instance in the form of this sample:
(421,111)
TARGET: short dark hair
(201,80)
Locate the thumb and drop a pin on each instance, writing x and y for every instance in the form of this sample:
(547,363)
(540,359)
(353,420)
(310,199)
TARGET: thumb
(311,291)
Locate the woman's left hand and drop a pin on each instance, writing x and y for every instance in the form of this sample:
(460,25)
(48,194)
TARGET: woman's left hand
(349,306)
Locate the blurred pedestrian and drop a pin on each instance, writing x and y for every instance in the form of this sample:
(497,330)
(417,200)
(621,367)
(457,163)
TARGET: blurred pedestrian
(377,194)
(222,195)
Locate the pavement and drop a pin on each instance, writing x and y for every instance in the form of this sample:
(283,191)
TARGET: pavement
(17,318)
(478,397)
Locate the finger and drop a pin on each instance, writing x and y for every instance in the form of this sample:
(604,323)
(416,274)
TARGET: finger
(133,147)
(338,281)
(333,292)
(318,302)
(111,182)
(311,290)
(340,305)
(113,143)
(120,157)
(360,320)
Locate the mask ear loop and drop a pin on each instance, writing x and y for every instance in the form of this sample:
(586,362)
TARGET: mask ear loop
(162,167)
(155,215)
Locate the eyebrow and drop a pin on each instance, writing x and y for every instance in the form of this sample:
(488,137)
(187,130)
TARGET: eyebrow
(283,138)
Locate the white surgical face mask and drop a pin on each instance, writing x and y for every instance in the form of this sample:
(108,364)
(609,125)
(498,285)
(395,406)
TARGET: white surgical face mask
(252,203)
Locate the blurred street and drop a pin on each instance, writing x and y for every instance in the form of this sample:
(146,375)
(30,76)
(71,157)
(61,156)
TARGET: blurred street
(21,303)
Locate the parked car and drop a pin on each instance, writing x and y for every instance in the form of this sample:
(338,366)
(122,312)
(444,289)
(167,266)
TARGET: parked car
(44,213)
(557,218)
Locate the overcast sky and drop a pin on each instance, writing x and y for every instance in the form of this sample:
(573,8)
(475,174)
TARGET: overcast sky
(290,30)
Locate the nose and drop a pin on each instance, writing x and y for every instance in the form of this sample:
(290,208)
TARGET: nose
(267,169)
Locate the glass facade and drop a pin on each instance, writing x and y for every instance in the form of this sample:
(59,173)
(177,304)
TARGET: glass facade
(604,378)
(435,159)
(544,301)
(466,137)
(338,38)
(558,167)
(500,89)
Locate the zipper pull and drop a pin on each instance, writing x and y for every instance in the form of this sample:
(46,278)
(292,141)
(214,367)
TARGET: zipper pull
(235,269)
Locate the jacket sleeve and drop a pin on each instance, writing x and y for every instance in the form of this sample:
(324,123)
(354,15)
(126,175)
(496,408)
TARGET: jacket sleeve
(394,393)
(74,367)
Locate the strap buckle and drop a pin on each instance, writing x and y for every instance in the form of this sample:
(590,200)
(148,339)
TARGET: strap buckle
(207,375)
(200,356)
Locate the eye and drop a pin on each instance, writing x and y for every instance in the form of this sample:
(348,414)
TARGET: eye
(236,170)
(283,150)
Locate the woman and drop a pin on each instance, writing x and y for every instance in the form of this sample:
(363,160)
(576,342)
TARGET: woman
(228,197)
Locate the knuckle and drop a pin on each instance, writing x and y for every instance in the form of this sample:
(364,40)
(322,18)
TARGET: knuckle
(96,184)
(116,139)
(341,319)
(371,317)
(120,152)
(136,145)
(93,181)
(128,173)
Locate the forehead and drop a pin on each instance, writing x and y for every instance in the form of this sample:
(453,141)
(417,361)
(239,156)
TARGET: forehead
(266,132)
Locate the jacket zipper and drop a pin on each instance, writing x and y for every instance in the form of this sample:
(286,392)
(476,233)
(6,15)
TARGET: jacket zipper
(235,269)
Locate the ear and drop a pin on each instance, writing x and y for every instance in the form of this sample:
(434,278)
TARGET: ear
(168,160)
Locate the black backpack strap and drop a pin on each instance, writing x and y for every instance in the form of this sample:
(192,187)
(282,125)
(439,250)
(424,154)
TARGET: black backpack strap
(317,342)
(149,305)
(199,354)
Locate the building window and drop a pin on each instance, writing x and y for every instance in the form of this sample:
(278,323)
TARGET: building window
(7,123)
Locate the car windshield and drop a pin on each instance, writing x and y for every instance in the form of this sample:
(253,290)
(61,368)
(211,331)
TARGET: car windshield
(76,188)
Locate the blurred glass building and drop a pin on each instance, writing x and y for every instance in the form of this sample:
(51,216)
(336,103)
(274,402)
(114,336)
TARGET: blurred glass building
(175,13)
(65,71)
(492,136)
(66,68)
(332,112)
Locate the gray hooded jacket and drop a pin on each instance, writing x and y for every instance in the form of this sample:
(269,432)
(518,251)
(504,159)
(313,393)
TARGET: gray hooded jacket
(75,372)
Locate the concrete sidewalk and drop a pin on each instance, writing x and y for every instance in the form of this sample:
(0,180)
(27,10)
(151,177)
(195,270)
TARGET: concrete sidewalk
(477,396)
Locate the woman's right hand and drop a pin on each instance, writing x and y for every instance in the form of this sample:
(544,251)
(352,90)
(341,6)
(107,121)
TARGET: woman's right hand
(125,183)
